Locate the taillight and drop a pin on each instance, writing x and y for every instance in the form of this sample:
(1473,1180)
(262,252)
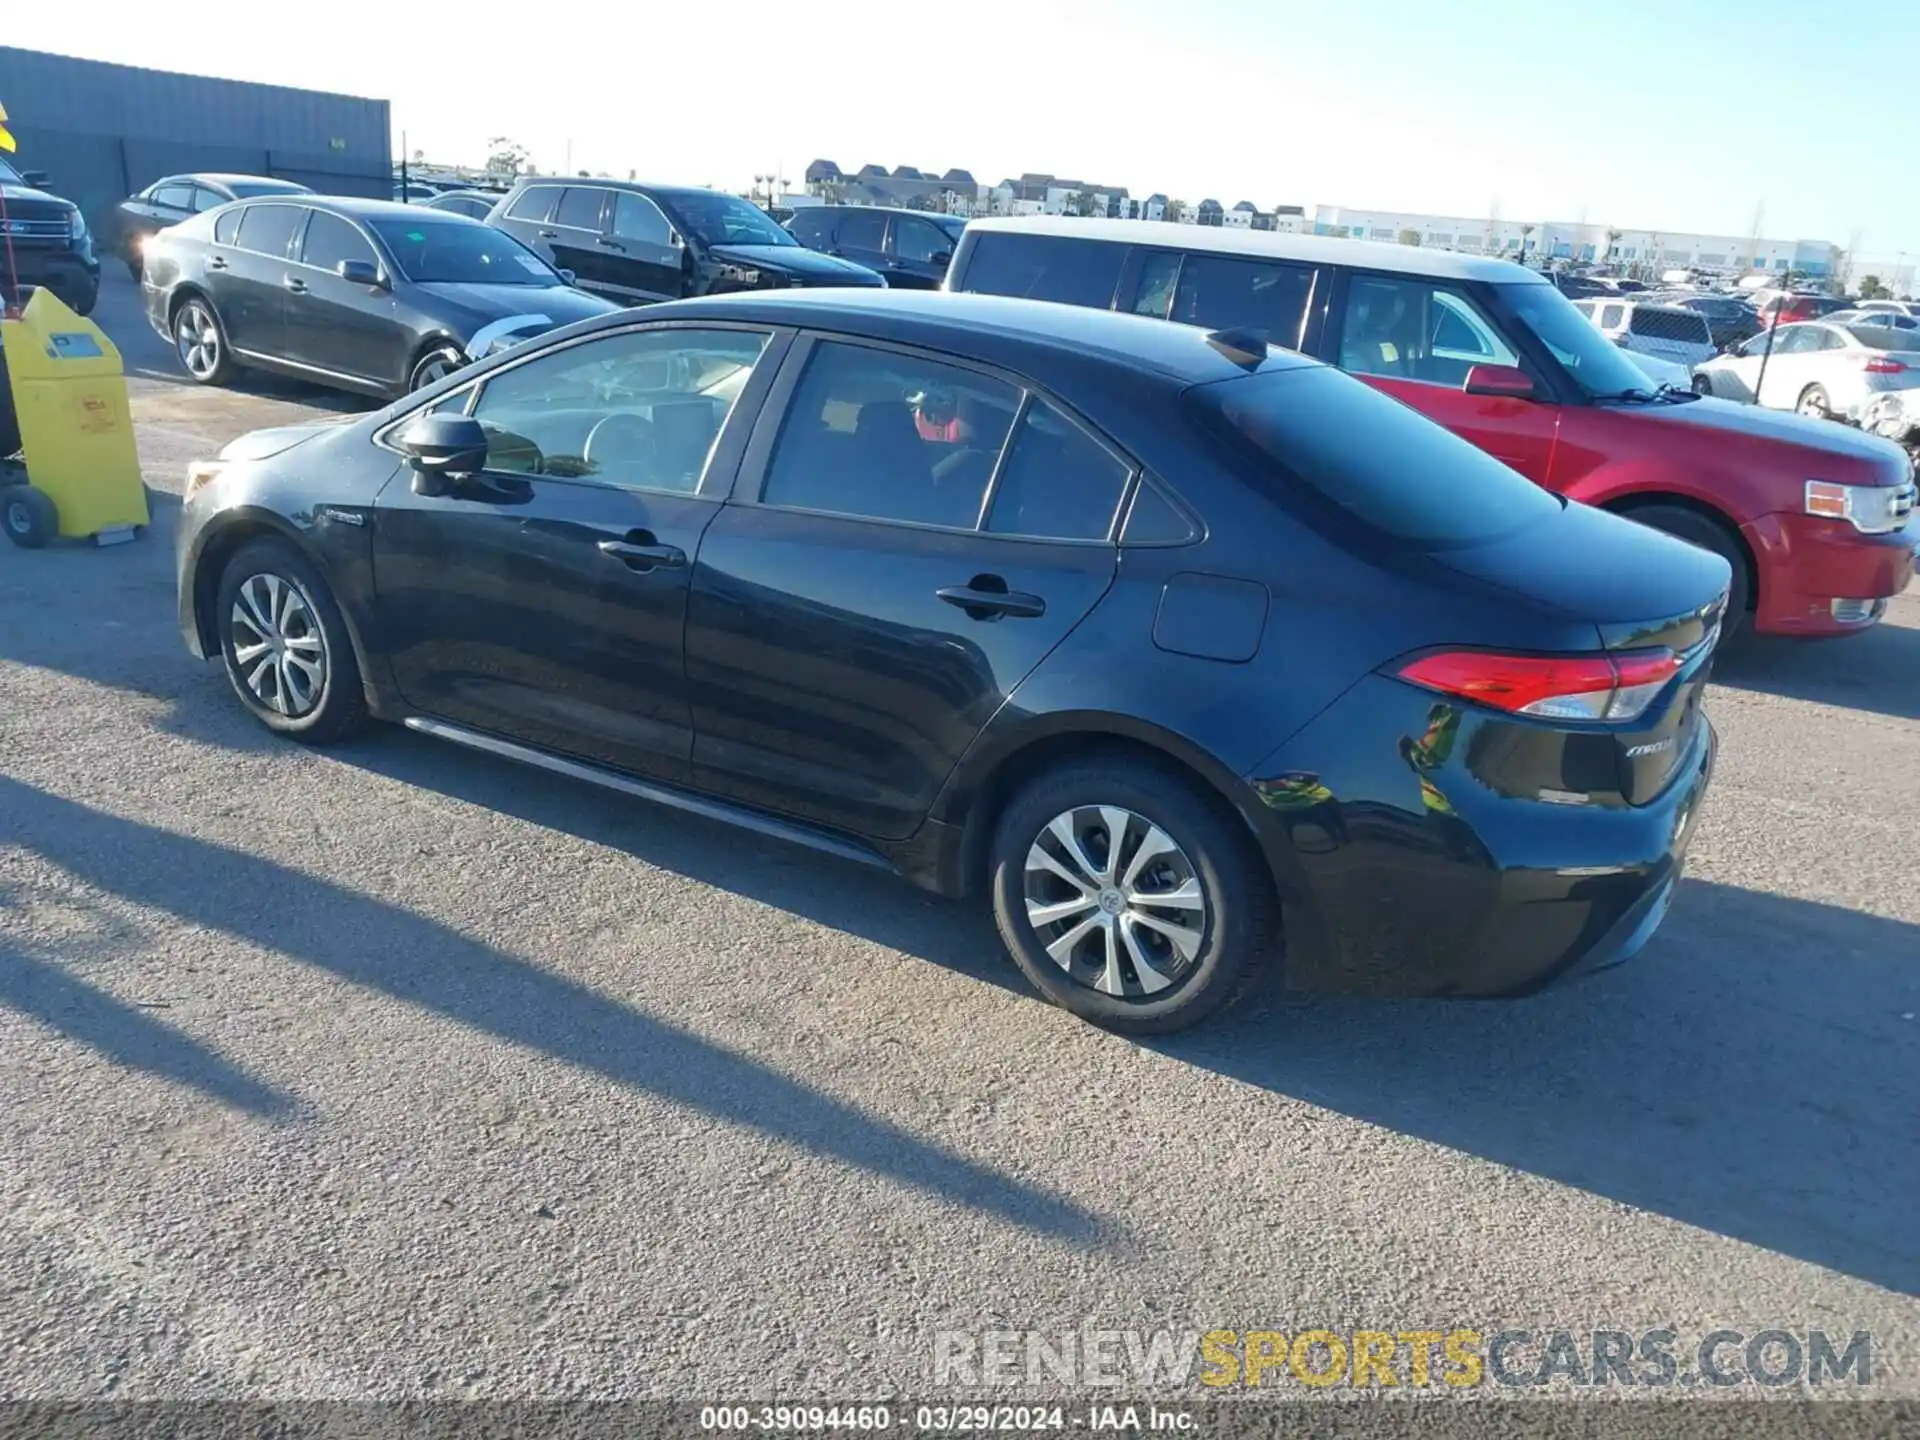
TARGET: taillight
(1553,687)
(1882,365)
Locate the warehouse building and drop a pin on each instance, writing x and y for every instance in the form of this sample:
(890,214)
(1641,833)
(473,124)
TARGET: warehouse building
(103,131)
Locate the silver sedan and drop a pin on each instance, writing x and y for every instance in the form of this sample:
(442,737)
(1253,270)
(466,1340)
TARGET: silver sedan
(1817,368)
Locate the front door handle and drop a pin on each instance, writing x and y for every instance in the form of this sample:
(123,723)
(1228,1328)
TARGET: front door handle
(611,244)
(641,552)
(549,234)
(218,262)
(987,604)
(294,283)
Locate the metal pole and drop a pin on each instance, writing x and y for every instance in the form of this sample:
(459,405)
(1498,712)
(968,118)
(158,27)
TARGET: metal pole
(406,197)
(1767,354)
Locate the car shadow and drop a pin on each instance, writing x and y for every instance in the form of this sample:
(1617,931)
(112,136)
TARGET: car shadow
(1751,1073)
(395,952)
(1748,1074)
(1877,670)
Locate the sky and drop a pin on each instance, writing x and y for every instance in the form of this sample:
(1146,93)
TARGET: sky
(1638,114)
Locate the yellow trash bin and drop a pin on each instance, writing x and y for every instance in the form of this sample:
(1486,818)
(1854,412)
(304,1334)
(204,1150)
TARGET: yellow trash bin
(76,432)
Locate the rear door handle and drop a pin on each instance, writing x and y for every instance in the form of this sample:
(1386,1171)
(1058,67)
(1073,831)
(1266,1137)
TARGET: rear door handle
(643,555)
(986,604)
(549,234)
(294,283)
(611,244)
(217,263)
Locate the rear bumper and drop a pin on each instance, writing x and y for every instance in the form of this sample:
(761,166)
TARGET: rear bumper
(1807,563)
(1402,883)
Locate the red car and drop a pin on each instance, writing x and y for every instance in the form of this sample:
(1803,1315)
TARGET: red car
(1812,516)
(1792,309)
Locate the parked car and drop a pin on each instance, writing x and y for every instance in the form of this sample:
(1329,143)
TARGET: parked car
(1492,351)
(1910,308)
(414,192)
(1667,331)
(48,243)
(1894,414)
(1819,369)
(1885,318)
(910,248)
(474,204)
(168,201)
(1730,319)
(1379,690)
(1792,309)
(640,243)
(364,295)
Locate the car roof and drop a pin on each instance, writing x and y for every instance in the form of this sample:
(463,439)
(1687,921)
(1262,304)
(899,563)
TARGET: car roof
(1314,249)
(359,209)
(994,328)
(227,177)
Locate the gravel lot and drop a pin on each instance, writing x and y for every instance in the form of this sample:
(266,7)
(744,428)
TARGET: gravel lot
(398,1070)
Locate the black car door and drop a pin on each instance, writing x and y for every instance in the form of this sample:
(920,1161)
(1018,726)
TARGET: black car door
(529,220)
(545,599)
(644,254)
(337,326)
(861,236)
(855,621)
(917,253)
(248,280)
(575,236)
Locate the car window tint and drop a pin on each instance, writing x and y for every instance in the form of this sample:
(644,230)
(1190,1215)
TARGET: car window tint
(1159,274)
(331,241)
(174,197)
(268,229)
(534,204)
(637,218)
(889,436)
(916,239)
(640,410)
(1220,292)
(205,199)
(1610,316)
(1056,481)
(810,226)
(860,230)
(227,227)
(579,208)
(1414,330)
(1060,268)
(1154,520)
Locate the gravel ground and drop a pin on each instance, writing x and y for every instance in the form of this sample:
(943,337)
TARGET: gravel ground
(396,1070)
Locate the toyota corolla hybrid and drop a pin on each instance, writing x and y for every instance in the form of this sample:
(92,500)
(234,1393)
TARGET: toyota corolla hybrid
(1188,657)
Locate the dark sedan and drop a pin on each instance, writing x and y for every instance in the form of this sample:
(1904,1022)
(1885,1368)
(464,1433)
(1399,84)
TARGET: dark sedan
(639,243)
(167,202)
(474,204)
(1162,644)
(910,248)
(366,295)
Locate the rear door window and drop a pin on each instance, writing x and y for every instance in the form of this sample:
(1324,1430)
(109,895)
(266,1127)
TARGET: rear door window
(535,203)
(269,229)
(1610,316)
(1061,268)
(580,208)
(227,228)
(1221,291)
(861,230)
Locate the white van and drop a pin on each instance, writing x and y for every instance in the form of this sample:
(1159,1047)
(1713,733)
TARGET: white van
(1666,332)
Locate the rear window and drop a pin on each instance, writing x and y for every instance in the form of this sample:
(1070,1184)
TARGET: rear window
(1060,268)
(1676,324)
(1329,437)
(1885,337)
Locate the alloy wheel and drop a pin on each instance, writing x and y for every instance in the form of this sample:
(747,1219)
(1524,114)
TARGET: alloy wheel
(1115,901)
(434,369)
(198,339)
(1814,404)
(279,651)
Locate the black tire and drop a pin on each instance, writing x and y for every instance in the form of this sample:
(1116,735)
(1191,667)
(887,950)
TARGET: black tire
(208,338)
(1708,534)
(1236,926)
(84,306)
(433,366)
(337,707)
(1813,403)
(1703,385)
(29,515)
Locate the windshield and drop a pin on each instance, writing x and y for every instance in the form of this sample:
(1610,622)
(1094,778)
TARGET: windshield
(448,251)
(952,224)
(9,175)
(1598,366)
(248,189)
(726,219)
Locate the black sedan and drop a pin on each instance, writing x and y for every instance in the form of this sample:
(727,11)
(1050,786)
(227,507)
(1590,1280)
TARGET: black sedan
(365,295)
(475,204)
(1164,645)
(167,202)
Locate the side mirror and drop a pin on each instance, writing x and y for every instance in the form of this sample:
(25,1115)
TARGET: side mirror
(676,240)
(942,258)
(361,272)
(568,276)
(442,448)
(36,179)
(1509,381)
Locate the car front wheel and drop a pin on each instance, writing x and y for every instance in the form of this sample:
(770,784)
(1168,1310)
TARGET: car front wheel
(201,343)
(433,367)
(1128,898)
(285,645)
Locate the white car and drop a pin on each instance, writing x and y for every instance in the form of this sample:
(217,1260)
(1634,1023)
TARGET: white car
(1817,368)
(1891,307)
(1666,332)
(1661,372)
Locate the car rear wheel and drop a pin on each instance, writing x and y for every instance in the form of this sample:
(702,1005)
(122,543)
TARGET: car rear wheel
(1128,898)
(433,367)
(1813,402)
(285,645)
(1708,534)
(201,343)
(1703,385)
